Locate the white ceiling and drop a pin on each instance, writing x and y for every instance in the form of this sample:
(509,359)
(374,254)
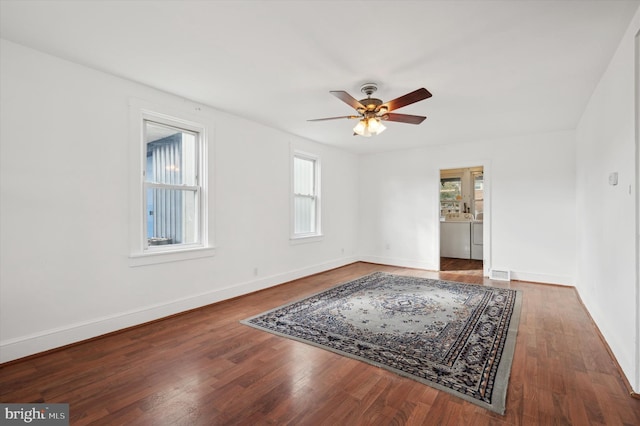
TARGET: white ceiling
(495,68)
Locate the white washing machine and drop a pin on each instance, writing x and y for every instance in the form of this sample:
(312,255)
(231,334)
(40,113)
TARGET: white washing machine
(455,239)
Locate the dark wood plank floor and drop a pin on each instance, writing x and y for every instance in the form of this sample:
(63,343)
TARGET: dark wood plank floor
(205,368)
(468,266)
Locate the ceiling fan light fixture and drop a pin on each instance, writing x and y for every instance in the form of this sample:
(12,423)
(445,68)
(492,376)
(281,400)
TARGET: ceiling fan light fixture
(362,129)
(375,126)
(372,111)
(368,127)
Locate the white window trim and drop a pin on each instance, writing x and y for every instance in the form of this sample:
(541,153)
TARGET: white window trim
(139,253)
(311,236)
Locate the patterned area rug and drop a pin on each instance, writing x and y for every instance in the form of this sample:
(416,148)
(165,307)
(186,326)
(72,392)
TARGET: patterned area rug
(455,337)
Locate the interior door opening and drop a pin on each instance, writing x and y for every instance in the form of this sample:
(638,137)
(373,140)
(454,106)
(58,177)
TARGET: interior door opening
(462,220)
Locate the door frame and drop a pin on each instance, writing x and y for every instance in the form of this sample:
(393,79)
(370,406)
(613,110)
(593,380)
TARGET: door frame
(486,231)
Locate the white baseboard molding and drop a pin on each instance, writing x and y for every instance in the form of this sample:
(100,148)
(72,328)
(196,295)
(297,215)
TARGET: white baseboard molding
(23,346)
(542,278)
(405,263)
(515,275)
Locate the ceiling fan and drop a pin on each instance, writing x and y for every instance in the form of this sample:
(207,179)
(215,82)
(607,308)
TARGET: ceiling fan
(372,111)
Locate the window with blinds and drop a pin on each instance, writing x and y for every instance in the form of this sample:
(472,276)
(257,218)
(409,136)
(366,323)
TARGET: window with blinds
(306,196)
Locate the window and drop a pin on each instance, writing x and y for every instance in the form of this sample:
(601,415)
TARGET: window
(306,196)
(450,195)
(171,185)
(462,191)
(169,202)
(478,194)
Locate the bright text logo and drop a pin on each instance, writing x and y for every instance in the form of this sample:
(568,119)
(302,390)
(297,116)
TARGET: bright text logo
(37,414)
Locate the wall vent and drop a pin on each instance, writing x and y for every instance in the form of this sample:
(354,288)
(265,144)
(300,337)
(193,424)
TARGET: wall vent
(501,275)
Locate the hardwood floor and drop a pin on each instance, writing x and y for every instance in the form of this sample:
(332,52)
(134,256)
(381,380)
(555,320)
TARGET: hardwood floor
(205,368)
(469,266)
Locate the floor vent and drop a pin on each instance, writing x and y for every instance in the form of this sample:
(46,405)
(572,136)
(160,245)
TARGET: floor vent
(497,274)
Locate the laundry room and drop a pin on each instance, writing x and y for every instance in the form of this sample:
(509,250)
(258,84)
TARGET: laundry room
(462,213)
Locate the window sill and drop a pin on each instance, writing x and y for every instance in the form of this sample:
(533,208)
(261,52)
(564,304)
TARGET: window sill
(306,239)
(156,257)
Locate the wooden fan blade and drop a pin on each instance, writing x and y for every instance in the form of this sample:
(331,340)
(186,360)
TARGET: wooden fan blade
(335,118)
(404,118)
(408,99)
(347,99)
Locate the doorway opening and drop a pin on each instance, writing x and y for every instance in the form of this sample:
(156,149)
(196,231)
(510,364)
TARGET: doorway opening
(462,208)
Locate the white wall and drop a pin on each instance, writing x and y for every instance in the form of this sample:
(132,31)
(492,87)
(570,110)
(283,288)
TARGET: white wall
(530,181)
(607,258)
(64,183)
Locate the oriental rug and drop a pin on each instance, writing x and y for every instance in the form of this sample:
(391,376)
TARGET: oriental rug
(455,337)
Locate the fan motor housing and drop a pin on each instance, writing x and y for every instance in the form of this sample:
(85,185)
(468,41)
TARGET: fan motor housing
(371,103)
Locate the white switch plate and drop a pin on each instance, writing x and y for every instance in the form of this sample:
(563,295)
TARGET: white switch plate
(613,178)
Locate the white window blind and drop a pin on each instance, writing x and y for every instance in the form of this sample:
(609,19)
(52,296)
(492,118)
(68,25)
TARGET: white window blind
(305,196)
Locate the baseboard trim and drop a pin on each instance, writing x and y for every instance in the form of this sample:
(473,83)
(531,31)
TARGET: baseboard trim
(542,278)
(51,339)
(515,275)
(404,263)
(54,338)
(623,376)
